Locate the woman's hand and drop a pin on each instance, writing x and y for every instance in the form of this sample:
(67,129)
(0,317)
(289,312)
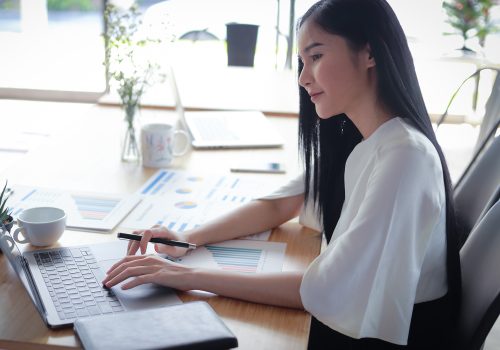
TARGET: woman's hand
(147,269)
(156,231)
(280,288)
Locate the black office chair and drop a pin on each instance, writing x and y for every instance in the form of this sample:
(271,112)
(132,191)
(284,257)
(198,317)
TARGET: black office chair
(480,259)
(491,116)
(478,188)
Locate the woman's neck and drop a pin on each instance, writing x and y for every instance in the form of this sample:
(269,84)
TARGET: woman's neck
(369,116)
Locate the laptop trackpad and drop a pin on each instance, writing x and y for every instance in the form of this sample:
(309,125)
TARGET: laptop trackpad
(145,296)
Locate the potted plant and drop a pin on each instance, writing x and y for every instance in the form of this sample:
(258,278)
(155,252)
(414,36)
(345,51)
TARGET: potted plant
(130,67)
(470,18)
(6,220)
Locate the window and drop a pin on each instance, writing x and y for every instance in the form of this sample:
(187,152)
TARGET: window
(52,45)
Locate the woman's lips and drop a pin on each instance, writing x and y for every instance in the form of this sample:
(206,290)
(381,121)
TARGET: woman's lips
(315,96)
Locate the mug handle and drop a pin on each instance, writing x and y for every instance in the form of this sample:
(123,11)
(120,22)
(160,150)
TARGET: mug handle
(186,143)
(16,235)
(6,242)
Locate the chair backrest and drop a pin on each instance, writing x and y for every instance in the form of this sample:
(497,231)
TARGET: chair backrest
(479,187)
(480,260)
(491,117)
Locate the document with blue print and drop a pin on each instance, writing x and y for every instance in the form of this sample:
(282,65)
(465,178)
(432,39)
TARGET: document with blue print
(182,200)
(248,256)
(86,211)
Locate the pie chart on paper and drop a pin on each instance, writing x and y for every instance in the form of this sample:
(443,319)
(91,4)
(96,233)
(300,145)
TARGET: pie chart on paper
(186,205)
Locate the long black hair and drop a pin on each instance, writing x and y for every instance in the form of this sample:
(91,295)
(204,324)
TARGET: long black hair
(326,144)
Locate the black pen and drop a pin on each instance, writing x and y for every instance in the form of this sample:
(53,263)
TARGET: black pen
(171,242)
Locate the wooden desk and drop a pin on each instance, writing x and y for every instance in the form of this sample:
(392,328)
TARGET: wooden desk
(83,153)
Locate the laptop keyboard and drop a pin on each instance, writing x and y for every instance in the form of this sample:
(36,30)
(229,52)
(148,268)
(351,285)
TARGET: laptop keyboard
(73,287)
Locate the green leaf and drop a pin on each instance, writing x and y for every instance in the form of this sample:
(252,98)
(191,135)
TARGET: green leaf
(4,211)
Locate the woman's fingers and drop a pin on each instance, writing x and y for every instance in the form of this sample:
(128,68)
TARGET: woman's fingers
(132,271)
(146,237)
(143,279)
(133,246)
(154,231)
(128,262)
(120,263)
(170,250)
(146,269)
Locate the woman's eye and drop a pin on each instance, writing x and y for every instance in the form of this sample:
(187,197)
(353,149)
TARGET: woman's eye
(316,57)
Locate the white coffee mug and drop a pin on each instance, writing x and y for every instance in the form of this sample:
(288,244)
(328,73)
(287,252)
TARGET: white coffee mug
(158,143)
(40,226)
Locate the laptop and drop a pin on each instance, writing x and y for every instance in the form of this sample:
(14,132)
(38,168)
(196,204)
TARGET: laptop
(65,283)
(225,129)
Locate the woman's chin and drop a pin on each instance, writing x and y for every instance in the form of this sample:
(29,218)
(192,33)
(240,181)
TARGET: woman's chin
(324,114)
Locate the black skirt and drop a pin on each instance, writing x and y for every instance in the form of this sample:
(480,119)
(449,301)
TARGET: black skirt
(430,328)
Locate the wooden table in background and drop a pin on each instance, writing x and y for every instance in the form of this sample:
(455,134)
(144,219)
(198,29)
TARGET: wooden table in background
(83,153)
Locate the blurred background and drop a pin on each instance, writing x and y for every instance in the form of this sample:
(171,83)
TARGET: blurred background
(54,49)
(57,45)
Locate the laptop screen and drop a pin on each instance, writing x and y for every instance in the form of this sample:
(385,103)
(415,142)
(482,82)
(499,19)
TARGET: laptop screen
(225,129)
(12,252)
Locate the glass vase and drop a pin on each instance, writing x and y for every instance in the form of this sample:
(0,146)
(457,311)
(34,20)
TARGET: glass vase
(130,145)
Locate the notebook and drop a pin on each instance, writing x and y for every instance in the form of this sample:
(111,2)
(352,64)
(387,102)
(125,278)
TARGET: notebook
(226,129)
(65,283)
(193,325)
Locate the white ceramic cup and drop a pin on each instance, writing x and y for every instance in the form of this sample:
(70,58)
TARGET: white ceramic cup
(159,143)
(40,226)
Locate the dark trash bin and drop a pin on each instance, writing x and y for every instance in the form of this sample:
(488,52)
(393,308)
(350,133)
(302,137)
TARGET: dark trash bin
(241,43)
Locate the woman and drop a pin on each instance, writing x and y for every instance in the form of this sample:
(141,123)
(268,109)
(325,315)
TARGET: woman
(376,181)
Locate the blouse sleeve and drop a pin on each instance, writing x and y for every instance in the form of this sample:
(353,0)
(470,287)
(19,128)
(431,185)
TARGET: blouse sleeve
(308,216)
(364,283)
(294,187)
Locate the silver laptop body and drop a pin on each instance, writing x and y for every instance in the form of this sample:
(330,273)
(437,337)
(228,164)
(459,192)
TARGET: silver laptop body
(225,129)
(65,283)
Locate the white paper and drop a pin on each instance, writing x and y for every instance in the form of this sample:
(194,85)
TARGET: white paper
(88,211)
(181,201)
(247,256)
(18,141)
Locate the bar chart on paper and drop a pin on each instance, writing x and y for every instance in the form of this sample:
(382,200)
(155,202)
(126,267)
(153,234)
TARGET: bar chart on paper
(83,210)
(236,259)
(92,208)
(239,255)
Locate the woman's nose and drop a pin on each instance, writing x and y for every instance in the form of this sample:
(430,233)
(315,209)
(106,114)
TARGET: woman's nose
(304,78)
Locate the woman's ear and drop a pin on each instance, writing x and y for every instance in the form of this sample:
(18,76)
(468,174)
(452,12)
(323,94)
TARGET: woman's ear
(370,60)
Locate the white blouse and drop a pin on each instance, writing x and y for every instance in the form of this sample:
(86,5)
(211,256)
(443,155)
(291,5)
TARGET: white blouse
(388,249)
